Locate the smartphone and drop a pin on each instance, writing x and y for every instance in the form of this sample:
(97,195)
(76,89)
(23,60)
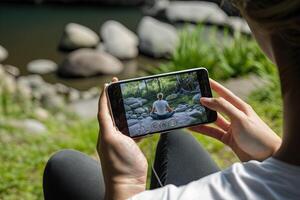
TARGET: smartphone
(160,103)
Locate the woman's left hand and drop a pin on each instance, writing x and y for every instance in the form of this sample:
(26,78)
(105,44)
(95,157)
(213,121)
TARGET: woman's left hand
(124,166)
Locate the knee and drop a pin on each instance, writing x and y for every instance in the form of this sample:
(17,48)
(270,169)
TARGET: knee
(59,163)
(60,159)
(178,137)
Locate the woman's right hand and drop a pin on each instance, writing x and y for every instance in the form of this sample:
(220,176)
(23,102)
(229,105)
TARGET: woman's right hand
(248,136)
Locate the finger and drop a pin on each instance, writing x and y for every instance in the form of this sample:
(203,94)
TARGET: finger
(221,105)
(229,96)
(209,131)
(115,79)
(222,122)
(104,116)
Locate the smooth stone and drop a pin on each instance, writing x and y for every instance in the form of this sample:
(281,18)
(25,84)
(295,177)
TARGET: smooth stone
(180,109)
(2,71)
(62,89)
(127,108)
(90,93)
(41,114)
(134,116)
(146,109)
(52,101)
(131,122)
(78,36)
(139,110)
(118,40)
(157,9)
(145,115)
(44,91)
(196,114)
(86,109)
(12,70)
(131,100)
(3,53)
(24,90)
(157,39)
(189,110)
(33,81)
(144,101)
(8,83)
(171,97)
(33,126)
(73,95)
(195,11)
(136,105)
(41,66)
(239,24)
(88,62)
(130,112)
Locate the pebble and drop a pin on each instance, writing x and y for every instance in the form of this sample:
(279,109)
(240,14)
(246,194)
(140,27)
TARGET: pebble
(41,66)
(3,53)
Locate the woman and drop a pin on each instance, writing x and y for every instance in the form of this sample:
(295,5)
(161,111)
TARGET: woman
(270,168)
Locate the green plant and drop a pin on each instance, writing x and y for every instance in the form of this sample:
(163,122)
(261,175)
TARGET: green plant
(267,102)
(223,54)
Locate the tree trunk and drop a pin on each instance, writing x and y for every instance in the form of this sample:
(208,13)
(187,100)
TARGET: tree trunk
(159,86)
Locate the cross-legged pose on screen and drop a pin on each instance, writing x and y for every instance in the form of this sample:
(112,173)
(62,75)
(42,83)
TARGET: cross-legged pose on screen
(161,108)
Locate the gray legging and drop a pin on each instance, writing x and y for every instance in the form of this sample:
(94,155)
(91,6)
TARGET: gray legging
(179,160)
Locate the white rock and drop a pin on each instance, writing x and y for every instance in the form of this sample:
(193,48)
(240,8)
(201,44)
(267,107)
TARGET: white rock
(85,109)
(61,89)
(41,66)
(88,62)
(41,114)
(52,101)
(24,90)
(8,83)
(33,81)
(239,24)
(195,11)
(2,72)
(118,40)
(91,93)
(158,7)
(3,53)
(157,39)
(74,95)
(12,70)
(78,36)
(34,126)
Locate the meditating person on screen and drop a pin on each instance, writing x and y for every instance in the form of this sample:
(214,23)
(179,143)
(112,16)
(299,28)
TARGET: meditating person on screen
(269,166)
(161,108)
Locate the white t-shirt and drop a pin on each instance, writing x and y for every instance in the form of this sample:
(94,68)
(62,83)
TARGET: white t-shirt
(253,180)
(160,106)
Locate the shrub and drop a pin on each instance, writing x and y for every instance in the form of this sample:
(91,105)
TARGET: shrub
(231,56)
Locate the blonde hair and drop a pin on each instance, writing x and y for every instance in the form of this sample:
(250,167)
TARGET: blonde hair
(160,95)
(281,16)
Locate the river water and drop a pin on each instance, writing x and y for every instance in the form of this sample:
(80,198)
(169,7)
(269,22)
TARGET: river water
(30,32)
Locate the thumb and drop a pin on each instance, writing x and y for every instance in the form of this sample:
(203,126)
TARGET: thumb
(104,117)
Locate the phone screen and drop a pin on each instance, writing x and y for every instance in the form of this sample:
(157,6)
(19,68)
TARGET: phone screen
(163,103)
